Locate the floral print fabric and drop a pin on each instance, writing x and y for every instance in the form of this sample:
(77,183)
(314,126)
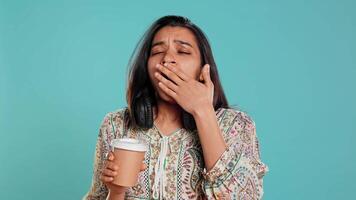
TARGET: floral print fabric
(238,174)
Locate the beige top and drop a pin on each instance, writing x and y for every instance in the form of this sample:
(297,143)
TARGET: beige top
(175,163)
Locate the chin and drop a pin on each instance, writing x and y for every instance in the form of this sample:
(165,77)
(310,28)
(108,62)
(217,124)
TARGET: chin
(164,97)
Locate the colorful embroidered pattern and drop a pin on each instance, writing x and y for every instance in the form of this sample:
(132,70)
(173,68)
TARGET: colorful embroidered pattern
(238,174)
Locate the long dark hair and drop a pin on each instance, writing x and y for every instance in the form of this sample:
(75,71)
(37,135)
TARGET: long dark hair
(140,94)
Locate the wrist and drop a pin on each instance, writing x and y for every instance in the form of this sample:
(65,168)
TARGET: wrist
(202,111)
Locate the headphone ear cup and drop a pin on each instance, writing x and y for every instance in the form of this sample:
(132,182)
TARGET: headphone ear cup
(143,112)
(148,112)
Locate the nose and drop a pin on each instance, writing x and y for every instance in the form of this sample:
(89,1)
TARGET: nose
(168,59)
(169,62)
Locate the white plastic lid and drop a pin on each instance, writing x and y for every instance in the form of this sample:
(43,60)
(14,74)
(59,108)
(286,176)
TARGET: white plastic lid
(129,144)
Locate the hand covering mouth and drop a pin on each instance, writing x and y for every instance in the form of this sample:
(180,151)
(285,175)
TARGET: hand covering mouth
(166,77)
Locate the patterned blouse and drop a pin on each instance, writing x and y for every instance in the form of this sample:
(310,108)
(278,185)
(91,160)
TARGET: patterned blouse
(176,165)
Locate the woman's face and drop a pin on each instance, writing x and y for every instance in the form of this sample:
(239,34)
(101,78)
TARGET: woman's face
(176,46)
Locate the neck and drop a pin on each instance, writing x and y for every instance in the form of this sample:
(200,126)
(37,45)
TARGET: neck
(167,113)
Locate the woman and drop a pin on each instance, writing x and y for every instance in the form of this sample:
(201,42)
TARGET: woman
(200,148)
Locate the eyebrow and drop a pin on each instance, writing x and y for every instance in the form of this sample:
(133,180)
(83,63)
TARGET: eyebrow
(176,41)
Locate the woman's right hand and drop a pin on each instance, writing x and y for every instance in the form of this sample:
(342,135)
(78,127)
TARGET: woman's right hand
(108,174)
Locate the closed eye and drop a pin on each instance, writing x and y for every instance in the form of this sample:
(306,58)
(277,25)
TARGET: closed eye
(180,52)
(183,52)
(156,53)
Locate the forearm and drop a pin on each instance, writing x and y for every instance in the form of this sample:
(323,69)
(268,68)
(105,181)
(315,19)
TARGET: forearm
(210,136)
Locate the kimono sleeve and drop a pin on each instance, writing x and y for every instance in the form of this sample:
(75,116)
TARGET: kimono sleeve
(239,171)
(98,190)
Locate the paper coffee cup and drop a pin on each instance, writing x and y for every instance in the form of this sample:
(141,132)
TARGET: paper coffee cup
(129,155)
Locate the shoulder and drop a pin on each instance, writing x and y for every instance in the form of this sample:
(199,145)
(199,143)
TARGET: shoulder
(113,121)
(115,115)
(234,122)
(234,115)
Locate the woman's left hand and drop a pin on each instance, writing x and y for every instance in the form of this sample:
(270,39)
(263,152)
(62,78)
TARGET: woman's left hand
(189,93)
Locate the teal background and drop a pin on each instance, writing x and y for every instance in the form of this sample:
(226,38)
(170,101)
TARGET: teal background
(289,64)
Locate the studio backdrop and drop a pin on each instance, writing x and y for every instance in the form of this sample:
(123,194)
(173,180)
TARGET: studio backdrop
(289,64)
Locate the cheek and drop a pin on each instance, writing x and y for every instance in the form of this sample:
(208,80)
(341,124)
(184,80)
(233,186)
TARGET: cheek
(150,68)
(151,71)
(191,67)
(192,70)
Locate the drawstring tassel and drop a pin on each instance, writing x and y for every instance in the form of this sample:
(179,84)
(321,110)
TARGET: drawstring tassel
(160,178)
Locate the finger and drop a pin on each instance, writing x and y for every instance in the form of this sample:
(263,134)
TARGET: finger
(169,73)
(167,90)
(167,82)
(143,167)
(201,77)
(106,178)
(111,165)
(111,156)
(206,74)
(109,172)
(178,72)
